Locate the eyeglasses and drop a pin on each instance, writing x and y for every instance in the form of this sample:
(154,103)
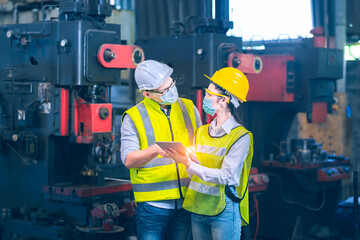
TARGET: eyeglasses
(165,90)
(208,93)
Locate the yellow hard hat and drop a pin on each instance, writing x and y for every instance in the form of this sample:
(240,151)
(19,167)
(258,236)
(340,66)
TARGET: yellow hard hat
(233,81)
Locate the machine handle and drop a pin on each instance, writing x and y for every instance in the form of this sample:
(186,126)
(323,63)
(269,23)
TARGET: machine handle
(120,56)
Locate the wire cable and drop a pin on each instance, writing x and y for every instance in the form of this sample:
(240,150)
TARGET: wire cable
(299,203)
(98,23)
(79,99)
(257,216)
(42,30)
(25,160)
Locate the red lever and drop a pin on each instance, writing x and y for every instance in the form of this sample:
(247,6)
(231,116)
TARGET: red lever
(247,63)
(120,56)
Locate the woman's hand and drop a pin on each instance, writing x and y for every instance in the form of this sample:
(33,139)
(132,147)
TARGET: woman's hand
(178,157)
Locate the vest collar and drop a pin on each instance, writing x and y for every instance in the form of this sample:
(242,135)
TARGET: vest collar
(151,103)
(155,105)
(226,127)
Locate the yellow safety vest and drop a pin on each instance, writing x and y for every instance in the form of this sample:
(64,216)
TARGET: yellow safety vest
(161,178)
(207,198)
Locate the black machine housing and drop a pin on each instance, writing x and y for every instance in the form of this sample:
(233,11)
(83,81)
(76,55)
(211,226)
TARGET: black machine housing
(50,70)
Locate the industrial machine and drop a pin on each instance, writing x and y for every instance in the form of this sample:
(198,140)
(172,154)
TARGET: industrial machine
(58,175)
(56,118)
(303,196)
(286,77)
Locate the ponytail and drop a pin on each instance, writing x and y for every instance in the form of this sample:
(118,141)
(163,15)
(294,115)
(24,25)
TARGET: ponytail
(234,111)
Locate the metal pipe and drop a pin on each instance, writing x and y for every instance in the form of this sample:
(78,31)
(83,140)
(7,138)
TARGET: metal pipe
(222,9)
(317,12)
(326,22)
(203,8)
(16,14)
(151,19)
(356,204)
(199,102)
(162,20)
(340,38)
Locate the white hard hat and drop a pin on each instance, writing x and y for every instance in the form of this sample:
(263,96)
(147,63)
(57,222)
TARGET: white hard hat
(151,74)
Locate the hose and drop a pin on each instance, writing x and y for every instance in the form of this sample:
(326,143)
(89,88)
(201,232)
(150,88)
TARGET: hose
(299,203)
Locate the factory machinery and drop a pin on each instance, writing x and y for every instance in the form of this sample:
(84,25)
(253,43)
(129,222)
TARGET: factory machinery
(298,182)
(57,172)
(56,118)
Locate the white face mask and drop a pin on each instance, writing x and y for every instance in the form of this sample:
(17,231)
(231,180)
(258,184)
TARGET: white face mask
(170,97)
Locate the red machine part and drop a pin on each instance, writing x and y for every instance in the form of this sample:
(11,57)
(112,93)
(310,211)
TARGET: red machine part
(257,181)
(91,118)
(87,191)
(319,112)
(247,63)
(120,56)
(64,112)
(107,209)
(330,174)
(199,102)
(130,209)
(108,224)
(254,171)
(320,41)
(275,76)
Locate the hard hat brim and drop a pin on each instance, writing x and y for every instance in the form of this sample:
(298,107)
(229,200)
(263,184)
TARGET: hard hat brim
(223,87)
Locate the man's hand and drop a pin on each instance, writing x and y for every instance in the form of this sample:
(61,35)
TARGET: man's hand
(139,158)
(159,151)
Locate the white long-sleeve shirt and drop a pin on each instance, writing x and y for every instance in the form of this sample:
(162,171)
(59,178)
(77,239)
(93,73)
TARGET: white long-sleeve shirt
(230,171)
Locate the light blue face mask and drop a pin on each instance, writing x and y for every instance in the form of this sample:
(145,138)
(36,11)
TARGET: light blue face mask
(207,102)
(170,97)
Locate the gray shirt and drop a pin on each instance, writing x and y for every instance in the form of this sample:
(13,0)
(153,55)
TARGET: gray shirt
(230,171)
(130,142)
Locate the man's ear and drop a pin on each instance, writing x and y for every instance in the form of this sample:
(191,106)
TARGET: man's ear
(146,94)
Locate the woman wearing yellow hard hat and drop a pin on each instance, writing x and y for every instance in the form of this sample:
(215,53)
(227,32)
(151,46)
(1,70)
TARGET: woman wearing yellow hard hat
(219,170)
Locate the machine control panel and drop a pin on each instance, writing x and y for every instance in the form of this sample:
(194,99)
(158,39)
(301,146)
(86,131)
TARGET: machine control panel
(258,181)
(334,173)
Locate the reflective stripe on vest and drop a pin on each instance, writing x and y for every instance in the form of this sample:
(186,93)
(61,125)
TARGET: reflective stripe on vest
(187,120)
(161,178)
(203,188)
(147,124)
(218,151)
(156,162)
(160,185)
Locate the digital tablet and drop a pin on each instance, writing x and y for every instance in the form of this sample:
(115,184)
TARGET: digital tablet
(178,146)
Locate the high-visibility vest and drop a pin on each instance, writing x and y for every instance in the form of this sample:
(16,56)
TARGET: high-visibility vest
(161,178)
(207,198)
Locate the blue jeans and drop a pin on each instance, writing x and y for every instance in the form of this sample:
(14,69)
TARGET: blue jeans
(225,226)
(158,223)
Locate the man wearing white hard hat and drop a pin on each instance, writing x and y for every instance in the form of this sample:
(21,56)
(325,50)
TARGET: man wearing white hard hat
(159,184)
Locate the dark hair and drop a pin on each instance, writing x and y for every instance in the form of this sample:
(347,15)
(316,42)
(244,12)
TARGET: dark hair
(234,111)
